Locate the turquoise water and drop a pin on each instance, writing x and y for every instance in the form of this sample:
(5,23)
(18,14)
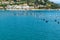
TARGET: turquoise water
(30,25)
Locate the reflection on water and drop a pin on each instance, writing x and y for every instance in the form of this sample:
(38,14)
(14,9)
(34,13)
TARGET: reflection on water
(30,25)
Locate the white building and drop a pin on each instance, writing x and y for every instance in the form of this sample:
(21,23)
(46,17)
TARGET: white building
(17,7)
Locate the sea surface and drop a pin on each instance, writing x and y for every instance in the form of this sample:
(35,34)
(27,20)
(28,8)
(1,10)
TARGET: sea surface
(30,25)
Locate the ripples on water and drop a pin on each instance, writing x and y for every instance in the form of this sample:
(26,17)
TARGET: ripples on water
(30,25)
(38,14)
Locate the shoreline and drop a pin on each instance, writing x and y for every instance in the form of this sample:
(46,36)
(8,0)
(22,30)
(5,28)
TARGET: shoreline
(28,9)
(33,9)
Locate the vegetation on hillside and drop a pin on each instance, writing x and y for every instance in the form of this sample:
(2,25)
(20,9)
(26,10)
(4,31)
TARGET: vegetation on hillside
(46,3)
(36,3)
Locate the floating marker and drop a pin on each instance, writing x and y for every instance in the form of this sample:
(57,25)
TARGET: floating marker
(55,20)
(43,19)
(58,22)
(46,21)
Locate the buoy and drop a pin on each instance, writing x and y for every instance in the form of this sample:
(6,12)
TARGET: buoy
(43,19)
(58,22)
(46,21)
(55,20)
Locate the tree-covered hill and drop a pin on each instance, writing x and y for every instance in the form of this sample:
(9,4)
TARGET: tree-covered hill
(36,3)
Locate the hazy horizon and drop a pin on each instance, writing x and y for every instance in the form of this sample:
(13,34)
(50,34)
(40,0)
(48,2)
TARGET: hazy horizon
(55,1)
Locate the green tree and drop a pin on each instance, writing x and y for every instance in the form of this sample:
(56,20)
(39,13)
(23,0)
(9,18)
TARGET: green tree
(28,1)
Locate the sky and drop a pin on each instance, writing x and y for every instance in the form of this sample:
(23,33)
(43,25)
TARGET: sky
(55,1)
